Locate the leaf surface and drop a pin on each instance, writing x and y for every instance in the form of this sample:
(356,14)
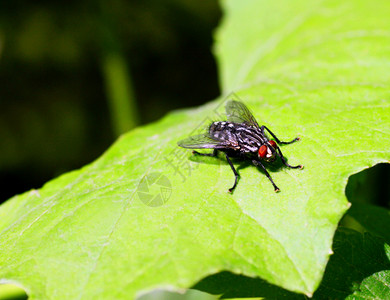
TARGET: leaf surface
(359,269)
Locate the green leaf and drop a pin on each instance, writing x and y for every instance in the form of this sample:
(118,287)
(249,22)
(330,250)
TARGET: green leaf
(374,219)
(188,295)
(375,286)
(359,267)
(148,215)
(360,264)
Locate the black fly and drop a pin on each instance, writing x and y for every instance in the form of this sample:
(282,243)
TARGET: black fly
(240,137)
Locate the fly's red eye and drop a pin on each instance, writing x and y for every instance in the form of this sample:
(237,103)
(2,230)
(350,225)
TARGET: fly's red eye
(263,151)
(273,144)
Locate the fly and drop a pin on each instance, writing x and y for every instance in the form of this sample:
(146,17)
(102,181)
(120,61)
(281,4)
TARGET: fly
(240,137)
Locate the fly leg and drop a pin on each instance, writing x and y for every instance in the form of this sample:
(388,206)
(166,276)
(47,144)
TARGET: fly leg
(276,139)
(280,154)
(213,154)
(258,163)
(234,171)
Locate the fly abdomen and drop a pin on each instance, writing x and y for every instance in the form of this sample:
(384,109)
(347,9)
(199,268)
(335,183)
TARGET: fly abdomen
(223,131)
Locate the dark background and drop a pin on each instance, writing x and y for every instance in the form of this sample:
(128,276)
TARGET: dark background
(54,104)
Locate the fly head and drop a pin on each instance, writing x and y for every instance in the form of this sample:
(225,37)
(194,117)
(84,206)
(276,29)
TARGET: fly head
(267,151)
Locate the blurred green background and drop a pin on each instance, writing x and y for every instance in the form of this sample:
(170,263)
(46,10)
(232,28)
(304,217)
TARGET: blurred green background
(74,75)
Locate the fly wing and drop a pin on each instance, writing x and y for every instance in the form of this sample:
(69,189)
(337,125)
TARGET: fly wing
(204,141)
(237,112)
(201,141)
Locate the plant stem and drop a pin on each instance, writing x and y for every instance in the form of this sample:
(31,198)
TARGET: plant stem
(121,100)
